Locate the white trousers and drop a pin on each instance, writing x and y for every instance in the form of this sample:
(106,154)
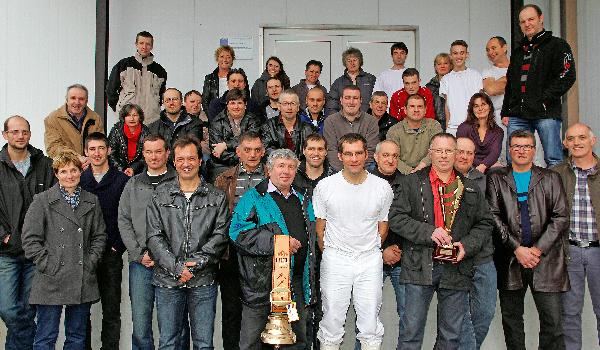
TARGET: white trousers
(351,276)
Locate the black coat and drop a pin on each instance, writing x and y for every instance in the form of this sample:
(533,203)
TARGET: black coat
(273,135)
(118,144)
(305,185)
(220,131)
(385,123)
(219,104)
(394,181)
(210,89)
(171,132)
(439,102)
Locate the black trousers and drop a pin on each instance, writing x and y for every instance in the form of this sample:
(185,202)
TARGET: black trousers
(231,300)
(549,308)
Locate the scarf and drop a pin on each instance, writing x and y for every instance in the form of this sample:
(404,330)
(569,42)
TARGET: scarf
(132,140)
(436,182)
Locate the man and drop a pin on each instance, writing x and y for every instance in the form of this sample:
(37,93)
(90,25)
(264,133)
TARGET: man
(286,130)
(314,112)
(138,79)
(187,235)
(24,171)
(272,208)
(541,71)
(314,167)
(107,183)
(458,86)
(350,120)
(530,250)
(312,74)
(482,298)
(235,182)
(192,102)
(378,109)
(270,109)
(354,75)
(390,80)
(580,180)
(413,135)
(67,127)
(419,215)
(351,207)
(236,79)
(132,226)
(412,85)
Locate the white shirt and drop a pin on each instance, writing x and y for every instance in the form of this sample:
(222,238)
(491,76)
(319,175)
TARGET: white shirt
(352,211)
(389,81)
(459,87)
(496,73)
(222,86)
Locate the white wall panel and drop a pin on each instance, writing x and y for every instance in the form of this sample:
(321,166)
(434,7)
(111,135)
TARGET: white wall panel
(588,71)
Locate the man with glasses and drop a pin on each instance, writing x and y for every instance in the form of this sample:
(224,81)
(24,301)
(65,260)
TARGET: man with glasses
(530,250)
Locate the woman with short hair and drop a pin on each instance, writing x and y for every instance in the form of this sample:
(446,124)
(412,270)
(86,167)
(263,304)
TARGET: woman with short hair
(126,139)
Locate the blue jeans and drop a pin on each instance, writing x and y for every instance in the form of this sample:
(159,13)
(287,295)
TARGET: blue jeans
(201,305)
(16,274)
(549,132)
(141,294)
(48,318)
(452,306)
(482,302)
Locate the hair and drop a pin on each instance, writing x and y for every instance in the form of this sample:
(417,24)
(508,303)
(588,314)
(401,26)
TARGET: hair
(157,137)
(190,93)
(314,63)
(415,97)
(236,94)
(77,86)
(282,153)
(381,143)
(16,117)
(459,42)
(274,78)
(186,140)
(249,136)
(442,135)
(96,136)
(521,134)
(145,34)
(537,9)
(317,88)
(500,39)
(410,72)
(65,158)
(378,94)
(290,92)
(445,56)
(352,51)
(126,109)
(472,119)
(223,48)
(350,88)
(282,75)
(351,138)
(172,88)
(316,138)
(398,46)
(241,72)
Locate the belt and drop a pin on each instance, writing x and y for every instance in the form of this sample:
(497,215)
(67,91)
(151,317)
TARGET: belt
(584,244)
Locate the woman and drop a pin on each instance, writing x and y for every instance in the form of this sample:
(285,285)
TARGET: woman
(273,69)
(482,129)
(442,66)
(126,140)
(64,235)
(352,59)
(215,83)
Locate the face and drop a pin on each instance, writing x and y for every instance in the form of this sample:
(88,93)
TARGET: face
(495,51)
(378,105)
(172,101)
(155,155)
(578,141)
(250,153)
(350,102)
(312,74)
(187,162)
(530,22)
(415,109)
(354,157)
(289,106)
(442,153)
(76,101)
(283,173)
(411,84)
(193,104)
(273,68)
(315,153)
(352,64)
(387,158)
(274,89)
(236,108)
(481,109)
(442,66)
(465,154)
(315,101)
(224,61)
(132,119)
(144,46)
(17,134)
(68,176)
(522,151)
(97,151)
(399,57)
(236,81)
(458,55)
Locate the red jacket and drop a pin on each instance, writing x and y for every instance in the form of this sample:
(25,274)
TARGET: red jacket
(398,100)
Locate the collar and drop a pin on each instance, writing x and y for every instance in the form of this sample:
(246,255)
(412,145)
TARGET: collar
(259,170)
(75,118)
(434,178)
(360,113)
(271,188)
(536,38)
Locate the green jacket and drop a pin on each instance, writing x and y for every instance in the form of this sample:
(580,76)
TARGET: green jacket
(414,145)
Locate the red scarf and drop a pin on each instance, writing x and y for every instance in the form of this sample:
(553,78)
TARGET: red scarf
(132,140)
(436,182)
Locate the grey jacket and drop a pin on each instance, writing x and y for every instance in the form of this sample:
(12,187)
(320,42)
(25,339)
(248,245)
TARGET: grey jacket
(65,246)
(132,212)
(365,82)
(181,230)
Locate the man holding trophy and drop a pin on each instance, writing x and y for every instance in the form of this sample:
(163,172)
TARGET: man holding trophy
(443,220)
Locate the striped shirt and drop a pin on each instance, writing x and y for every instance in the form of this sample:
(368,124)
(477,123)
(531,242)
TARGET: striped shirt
(247,180)
(583,218)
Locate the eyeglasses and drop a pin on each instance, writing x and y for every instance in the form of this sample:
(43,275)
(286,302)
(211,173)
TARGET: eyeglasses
(522,147)
(18,132)
(463,152)
(440,151)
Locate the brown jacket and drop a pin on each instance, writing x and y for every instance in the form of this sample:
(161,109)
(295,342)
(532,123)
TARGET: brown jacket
(61,135)
(549,224)
(227,181)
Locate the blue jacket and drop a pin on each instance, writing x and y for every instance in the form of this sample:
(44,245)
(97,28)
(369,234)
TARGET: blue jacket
(305,117)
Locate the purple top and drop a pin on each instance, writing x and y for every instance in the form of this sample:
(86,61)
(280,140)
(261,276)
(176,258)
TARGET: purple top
(488,151)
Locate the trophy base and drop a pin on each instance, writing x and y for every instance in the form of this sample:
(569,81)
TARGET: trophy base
(278,331)
(446,253)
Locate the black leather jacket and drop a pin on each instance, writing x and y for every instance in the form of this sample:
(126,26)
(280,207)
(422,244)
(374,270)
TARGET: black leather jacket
(438,101)
(181,230)
(220,131)
(273,135)
(171,132)
(118,144)
(210,89)
(385,123)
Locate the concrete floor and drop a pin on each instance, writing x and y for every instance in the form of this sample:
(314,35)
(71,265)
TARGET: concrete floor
(494,340)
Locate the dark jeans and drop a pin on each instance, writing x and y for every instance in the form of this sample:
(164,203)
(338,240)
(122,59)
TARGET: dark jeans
(16,274)
(48,318)
(549,309)
(231,302)
(314,313)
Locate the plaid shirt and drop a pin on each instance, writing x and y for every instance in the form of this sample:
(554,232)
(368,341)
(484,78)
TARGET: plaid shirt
(72,200)
(583,219)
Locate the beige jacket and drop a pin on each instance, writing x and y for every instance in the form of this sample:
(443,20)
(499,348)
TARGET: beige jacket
(414,145)
(61,135)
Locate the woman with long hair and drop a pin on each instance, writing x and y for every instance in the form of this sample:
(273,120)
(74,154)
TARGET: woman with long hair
(273,69)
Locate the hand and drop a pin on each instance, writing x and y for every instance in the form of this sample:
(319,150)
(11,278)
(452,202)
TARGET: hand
(536,251)
(392,255)
(482,168)
(461,251)
(85,162)
(186,275)
(6,239)
(218,149)
(128,172)
(526,257)
(505,121)
(147,261)
(441,237)
(295,245)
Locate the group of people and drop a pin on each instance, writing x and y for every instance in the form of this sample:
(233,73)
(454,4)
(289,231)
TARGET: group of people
(371,179)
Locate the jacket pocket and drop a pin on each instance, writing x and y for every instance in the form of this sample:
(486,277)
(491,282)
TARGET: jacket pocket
(411,258)
(51,266)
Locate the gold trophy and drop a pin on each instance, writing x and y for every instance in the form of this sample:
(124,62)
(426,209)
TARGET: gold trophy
(278,330)
(450,196)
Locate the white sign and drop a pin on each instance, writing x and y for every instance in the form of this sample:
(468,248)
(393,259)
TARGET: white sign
(243,46)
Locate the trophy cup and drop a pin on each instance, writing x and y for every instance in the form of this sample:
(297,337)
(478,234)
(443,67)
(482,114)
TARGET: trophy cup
(450,201)
(278,330)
